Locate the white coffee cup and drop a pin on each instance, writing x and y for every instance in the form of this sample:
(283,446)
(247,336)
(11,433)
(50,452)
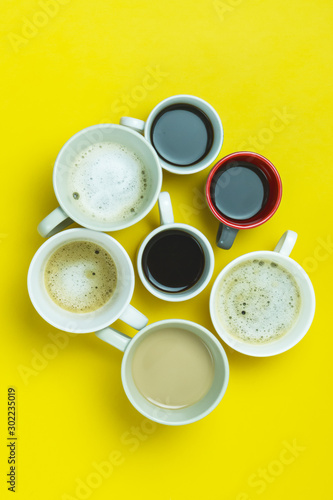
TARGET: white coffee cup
(68,210)
(280,256)
(118,307)
(145,129)
(162,415)
(167,223)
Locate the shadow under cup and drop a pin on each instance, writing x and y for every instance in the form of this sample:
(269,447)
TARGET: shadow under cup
(190,413)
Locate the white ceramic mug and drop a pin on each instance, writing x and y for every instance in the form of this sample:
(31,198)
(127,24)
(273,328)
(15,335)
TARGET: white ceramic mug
(280,256)
(68,210)
(118,307)
(167,223)
(145,129)
(162,415)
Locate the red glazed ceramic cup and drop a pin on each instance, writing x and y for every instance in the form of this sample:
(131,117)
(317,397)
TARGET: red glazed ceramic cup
(229,227)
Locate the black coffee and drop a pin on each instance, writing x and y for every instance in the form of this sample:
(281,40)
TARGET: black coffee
(182,134)
(173,261)
(240,190)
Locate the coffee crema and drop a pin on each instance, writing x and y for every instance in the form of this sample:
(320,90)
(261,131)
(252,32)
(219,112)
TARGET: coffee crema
(108,182)
(173,368)
(258,301)
(80,276)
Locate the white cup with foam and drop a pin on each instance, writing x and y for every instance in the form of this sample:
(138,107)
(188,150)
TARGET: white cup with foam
(118,307)
(302,322)
(106,177)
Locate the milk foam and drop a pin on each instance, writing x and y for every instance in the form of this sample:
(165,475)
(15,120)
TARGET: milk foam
(258,301)
(80,276)
(108,182)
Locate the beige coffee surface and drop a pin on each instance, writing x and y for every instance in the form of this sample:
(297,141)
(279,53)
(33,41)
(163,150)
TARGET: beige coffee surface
(258,301)
(173,368)
(80,276)
(108,182)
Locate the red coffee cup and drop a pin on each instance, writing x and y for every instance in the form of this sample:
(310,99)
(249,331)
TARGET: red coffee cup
(243,190)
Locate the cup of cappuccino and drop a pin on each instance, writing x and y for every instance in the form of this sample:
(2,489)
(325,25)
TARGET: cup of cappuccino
(173,371)
(81,281)
(263,303)
(175,261)
(185,131)
(106,177)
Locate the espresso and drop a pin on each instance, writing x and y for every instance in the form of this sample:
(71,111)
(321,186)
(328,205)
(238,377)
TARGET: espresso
(80,276)
(173,368)
(258,301)
(182,134)
(108,182)
(173,261)
(240,190)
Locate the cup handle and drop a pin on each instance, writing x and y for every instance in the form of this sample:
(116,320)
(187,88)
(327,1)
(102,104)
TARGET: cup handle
(165,208)
(53,223)
(225,236)
(286,243)
(133,123)
(114,338)
(134,318)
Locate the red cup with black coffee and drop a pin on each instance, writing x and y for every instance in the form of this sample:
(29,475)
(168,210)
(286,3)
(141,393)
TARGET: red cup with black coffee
(243,191)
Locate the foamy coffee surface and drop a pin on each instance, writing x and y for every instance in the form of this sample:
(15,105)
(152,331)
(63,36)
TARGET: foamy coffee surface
(108,182)
(80,276)
(258,301)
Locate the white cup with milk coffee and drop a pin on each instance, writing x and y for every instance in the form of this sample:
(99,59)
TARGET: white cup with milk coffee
(106,177)
(174,371)
(263,303)
(81,281)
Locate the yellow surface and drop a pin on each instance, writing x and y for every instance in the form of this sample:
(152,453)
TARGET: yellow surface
(85,63)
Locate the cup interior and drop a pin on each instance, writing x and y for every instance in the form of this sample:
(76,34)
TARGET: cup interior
(191,413)
(275,189)
(204,278)
(105,133)
(81,322)
(299,328)
(214,119)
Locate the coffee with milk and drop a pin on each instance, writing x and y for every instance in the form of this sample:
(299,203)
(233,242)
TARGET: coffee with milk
(173,368)
(258,301)
(80,276)
(108,182)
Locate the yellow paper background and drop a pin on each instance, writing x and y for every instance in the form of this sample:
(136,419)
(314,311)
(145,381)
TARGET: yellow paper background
(87,62)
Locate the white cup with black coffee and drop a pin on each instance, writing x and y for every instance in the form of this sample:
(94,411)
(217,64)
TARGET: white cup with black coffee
(81,281)
(175,261)
(106,177)
(263,302)
(185,131)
